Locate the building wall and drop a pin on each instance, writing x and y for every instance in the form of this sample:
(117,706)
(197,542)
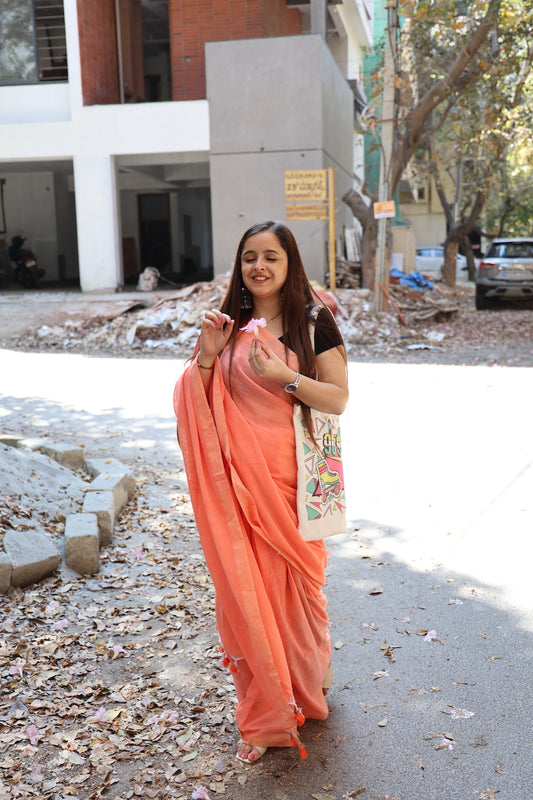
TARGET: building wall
(275,104)
(36,222)
(192,24)
(429,227)
(98,51)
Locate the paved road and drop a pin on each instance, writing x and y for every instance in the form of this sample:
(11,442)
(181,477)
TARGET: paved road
(439,460)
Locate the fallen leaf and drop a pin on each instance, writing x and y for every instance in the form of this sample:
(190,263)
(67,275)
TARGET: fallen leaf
(461,713)
(377,590)
(383,723)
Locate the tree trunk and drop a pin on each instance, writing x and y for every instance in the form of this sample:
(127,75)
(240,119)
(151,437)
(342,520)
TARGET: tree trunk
(449,270)
(364,213)
(471,264)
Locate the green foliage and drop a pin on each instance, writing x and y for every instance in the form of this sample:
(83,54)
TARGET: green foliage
(485,122)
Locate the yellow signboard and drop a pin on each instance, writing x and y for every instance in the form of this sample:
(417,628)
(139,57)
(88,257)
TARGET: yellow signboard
(306,184)
(307,211)
(309,195)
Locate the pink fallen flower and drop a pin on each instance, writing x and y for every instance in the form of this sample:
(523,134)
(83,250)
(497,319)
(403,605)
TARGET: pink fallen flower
(18,668)
(254,325)
(200,794)
(100,716)
(60,625)
(33,734)
(430,636)
(138,552)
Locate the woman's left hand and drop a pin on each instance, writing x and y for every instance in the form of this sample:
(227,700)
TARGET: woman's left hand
(267,364)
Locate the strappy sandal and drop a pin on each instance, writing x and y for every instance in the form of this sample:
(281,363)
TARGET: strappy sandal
(328,680)
(256,751)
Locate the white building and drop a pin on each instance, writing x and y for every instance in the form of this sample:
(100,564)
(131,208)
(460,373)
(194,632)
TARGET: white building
(107,167)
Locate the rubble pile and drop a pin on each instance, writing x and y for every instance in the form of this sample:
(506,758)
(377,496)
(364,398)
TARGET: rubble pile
(441,319)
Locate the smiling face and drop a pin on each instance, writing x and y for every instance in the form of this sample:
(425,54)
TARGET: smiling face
(264,265)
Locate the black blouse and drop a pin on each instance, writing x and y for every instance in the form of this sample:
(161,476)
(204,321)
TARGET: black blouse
(327,334)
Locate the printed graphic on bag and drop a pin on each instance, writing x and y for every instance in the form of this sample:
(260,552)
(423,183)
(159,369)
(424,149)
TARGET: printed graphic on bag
(324,477)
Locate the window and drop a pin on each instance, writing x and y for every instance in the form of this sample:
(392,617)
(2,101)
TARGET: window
(33,39)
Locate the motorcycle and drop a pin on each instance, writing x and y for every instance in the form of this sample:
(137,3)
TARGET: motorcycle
(25,267)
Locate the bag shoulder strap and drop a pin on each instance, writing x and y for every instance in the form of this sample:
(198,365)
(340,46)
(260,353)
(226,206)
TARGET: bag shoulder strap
(313,316)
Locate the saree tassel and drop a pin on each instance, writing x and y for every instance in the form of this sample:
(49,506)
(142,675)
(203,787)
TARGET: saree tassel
(297,742)
(300,719)
(228,661)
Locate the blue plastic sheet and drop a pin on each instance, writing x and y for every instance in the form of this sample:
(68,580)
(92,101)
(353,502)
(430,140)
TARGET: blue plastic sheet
(413,279)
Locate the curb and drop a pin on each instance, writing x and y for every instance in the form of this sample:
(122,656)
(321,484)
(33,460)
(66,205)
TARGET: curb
(29,556)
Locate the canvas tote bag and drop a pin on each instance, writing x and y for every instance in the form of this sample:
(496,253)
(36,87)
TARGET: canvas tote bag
(321,499)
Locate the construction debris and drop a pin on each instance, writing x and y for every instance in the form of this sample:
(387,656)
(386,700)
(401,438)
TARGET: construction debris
(440,321)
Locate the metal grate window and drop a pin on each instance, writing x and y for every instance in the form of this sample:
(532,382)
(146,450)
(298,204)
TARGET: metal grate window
(50,40)
(32,41)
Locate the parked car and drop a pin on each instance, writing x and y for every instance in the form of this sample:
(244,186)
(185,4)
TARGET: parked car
(506,271)
(430,261)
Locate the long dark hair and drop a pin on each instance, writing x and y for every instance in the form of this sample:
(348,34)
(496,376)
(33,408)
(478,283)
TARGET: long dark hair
(298,299)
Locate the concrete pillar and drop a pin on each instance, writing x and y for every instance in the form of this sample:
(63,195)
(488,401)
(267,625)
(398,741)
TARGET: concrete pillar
(318,17)
(98,222)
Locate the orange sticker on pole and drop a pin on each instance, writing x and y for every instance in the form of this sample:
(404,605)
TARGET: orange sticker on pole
(384,209)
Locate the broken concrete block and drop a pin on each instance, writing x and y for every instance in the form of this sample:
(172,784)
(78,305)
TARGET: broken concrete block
(33,556)
(32,444)
(103,505)
(95,466)
(64,454)
(82,549)
(115,482)
(10,441)
(6,568)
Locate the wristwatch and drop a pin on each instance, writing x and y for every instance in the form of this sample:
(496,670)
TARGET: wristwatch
(293,385)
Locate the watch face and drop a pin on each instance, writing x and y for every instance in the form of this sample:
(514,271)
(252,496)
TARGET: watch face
(291,387)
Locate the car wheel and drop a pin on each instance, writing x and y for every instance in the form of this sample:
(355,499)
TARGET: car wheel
(482,301)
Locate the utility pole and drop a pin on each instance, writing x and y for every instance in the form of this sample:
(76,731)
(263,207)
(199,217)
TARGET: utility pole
(387,142)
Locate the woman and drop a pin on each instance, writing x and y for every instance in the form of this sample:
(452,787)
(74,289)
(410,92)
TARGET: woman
(234,405)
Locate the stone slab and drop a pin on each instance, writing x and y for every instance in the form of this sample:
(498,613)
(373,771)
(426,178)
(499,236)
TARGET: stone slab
(97,466)
(10,441)
(103,505)
(65,454)
(115,482)
(82,547)
(33,556)
(6,568)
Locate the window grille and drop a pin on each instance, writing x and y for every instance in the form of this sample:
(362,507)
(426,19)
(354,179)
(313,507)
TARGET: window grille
(33,44)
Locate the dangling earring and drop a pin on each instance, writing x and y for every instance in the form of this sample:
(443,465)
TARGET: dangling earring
(246,299)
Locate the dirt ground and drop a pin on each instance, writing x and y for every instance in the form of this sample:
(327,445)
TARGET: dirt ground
(89,665)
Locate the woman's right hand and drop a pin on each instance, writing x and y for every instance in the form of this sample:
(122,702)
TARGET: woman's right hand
(215,332)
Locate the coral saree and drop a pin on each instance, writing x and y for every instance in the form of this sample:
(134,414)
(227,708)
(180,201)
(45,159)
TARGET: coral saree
(239,453)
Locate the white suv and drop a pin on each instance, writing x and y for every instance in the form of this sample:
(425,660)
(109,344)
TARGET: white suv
(506,271)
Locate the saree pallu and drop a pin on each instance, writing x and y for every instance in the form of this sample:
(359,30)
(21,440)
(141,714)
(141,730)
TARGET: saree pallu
(239,454)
